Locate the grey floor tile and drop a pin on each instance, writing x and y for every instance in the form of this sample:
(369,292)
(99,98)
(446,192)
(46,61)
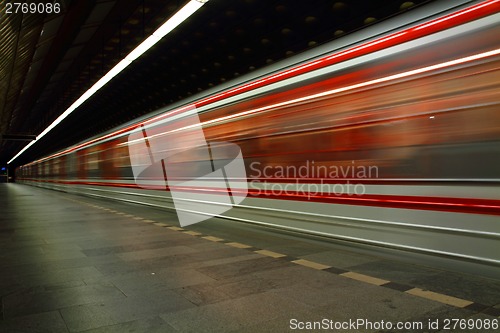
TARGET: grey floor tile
(55,265)
(198,259)
(53,277)
(118,268)
(233,314)
(47,322)
(396,271)
(202,294)
(294,249)
(230,288)
(160,279)
(150,325)
(202,258)
(295,323)
(135,245)
(38,300)
(477,289)
(293,275)
(340,259)
(153,253)
(64,285)
(219,259)
(241,268)
(108,313)
(15,270)
(245,285)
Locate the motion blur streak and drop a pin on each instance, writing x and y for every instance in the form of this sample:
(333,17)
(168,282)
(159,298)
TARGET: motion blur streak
(414,121)
(460,17)
(342,89)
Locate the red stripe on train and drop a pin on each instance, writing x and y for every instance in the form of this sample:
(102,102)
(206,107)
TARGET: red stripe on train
(456,205)
(446,204)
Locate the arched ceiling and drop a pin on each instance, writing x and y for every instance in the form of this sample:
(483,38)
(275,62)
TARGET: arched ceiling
(48,60)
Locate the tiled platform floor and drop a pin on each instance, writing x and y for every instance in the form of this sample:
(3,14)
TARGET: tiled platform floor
(73,264)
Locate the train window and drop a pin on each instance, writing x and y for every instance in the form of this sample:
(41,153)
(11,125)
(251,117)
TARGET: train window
(120,158)
(56,166)
(71,163)
(93,161)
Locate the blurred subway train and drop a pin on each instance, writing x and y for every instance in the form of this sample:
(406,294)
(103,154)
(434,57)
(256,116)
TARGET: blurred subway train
(389,136)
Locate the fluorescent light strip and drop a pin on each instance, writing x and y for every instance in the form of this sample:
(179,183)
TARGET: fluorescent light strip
(179,17)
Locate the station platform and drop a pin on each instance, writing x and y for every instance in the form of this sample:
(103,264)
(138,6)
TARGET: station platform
(71,263)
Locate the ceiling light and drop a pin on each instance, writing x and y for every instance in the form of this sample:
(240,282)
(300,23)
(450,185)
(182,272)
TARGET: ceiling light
(179,17)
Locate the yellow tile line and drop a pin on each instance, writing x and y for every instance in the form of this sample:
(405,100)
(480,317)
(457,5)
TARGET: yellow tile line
(192,233)
(445,299)
(270,253)
(175,228)
(213,239)
(450,300)
(310,264)
(238,245)
(365,278)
